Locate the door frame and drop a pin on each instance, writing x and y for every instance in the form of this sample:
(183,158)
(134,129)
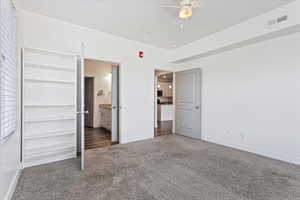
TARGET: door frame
(200,98)
(119,92)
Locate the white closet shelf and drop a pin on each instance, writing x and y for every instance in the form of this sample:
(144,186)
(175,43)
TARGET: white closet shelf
(63,156)
(53,134)
(48,134)
(49,81)
(44,51)
(49,119)
(52,67)
(50,105)
(48,150)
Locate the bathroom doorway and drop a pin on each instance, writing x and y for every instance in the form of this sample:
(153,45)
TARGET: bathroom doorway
(101,94)
(89,100)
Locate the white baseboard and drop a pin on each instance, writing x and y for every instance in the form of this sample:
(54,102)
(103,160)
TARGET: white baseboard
(262,152)
(135,139)
(13,185)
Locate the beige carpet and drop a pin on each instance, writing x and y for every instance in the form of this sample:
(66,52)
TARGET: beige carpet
(168,168)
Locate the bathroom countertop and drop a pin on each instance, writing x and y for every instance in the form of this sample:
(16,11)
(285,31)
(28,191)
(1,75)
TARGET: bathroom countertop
(107,106)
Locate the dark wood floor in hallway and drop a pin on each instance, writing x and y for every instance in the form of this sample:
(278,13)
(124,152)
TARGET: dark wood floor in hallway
(163,128)
(97,138)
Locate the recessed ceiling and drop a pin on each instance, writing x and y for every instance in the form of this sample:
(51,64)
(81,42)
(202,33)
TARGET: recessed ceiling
(165,77)
(147,21)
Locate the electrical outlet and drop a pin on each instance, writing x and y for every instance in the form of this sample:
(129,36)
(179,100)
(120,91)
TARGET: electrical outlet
(242,136)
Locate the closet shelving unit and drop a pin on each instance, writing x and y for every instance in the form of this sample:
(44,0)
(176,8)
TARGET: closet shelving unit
(45,66)
(49,81)
(49,106)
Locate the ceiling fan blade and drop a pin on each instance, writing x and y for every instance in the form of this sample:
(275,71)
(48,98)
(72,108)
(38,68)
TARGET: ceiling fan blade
(197,6)
(197,3)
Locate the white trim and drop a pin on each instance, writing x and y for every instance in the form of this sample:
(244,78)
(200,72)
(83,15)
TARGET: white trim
(50,51)
(174,100)
(22,104)
(135,139)
(13,185)
(81,79)
(76,102)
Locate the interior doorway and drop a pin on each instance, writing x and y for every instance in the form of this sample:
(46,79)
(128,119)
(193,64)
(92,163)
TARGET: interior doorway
(101,104)
(164,98)
(89,101)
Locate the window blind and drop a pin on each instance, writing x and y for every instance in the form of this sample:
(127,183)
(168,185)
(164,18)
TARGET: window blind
(8,70)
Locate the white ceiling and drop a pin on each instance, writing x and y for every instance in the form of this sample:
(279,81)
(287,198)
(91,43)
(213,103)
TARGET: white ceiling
(146,21)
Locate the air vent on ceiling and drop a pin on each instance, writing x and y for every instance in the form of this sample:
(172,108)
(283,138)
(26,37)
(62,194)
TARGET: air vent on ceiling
(278,20)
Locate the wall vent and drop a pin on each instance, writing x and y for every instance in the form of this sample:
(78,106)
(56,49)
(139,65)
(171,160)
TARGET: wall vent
(278,20)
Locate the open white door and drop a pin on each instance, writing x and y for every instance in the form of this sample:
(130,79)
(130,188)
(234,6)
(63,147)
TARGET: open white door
(80,106)
(188,103)
(115,105)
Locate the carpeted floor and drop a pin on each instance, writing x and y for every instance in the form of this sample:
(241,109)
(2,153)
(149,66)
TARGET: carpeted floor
(168,168)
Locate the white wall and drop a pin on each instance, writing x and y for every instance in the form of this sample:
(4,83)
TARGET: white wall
(243,32)
(251,93)
(99,70)
(9,165)
(136,74)
(250,98)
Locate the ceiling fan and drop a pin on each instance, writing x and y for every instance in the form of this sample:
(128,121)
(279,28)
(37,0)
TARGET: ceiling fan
(185,7)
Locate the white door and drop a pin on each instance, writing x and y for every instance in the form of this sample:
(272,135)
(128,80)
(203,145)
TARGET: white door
(49,106)
(188,103)
(80,107)
(115,105)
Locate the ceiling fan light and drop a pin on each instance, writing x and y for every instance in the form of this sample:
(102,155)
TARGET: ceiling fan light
(185,13)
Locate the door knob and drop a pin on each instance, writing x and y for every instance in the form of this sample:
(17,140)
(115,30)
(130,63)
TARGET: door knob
(197,107)
(114,107)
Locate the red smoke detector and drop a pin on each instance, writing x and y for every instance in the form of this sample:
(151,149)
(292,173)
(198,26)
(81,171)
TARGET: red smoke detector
(141,54)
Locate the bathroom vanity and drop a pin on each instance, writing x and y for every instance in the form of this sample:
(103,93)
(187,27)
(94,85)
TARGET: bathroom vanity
(165,112)
(105,116)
